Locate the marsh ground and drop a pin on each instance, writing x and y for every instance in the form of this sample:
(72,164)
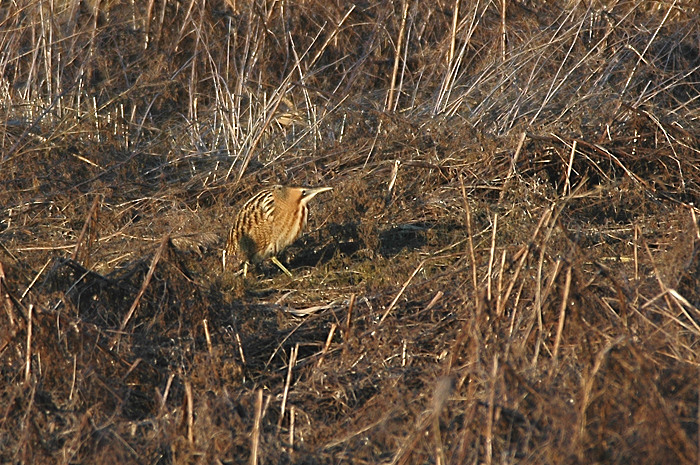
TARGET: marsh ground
(505,272)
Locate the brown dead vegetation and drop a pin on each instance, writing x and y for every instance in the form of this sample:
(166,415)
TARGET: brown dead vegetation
(506,270)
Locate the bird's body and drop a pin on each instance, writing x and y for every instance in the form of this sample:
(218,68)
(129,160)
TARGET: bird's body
(269,222)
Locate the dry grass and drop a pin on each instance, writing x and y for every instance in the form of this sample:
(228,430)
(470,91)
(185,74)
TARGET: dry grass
(507,269)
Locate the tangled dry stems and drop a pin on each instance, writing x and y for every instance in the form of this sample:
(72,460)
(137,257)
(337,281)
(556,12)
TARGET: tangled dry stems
(506,271)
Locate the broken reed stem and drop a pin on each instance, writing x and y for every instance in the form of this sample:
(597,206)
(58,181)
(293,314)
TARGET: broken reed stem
(397,56)
(636,255)
(164,398)
(255,439)
(504,37)
(190,412)
(567,182)
(207,337)
(491,256)
(489,416)
(392,181)
(471,241)
(89,229)
(75,375)
(538,305)
(240,348)
(348,322)
(291,429)
(500,283)
(524,252)
(453,36)
(147,280)
(538,292)
(662,286)
(513,163)
(683,304)
(587,388)
(327,345)
(5,296)
(562,314)
(403,288)
(28,361)
(41,271)
(695,222)
(438,295)
(556,266)
(288,381)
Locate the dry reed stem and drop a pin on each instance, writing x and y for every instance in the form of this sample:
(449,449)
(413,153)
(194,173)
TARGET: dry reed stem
(492,253)
(166,392)
(390,105)
(292,361)
(499,291)
(28,350)
(207,337)
(348,320)
(31,284)
(467,209)
(569,166)
(436,298)
(327,345)
(74,377)
(562,314)
(662,286)
(523,254)
(539,299)
(147,280)
(401,291)
(164,100)
(683,304)
(88,235)
(392,181)
(255,436)
(512,171)
(587,382)
(189,412)
(491,408)
(7,301)
(453,35)
(240,348)
(291,429)
(504,31)
(695,222)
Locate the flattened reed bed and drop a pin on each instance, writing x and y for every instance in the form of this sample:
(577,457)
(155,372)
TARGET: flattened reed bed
(506,270)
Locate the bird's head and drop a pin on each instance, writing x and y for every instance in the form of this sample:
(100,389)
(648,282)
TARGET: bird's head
(300,195)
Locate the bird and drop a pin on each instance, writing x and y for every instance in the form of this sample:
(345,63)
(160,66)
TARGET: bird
(268,222)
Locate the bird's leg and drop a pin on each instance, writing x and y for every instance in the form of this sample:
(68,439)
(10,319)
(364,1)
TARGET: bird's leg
(281,266)
(245,269)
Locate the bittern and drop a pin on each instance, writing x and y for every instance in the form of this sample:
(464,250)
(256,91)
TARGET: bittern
(269,222)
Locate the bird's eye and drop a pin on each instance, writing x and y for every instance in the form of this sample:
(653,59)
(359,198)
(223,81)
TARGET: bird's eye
(303,192)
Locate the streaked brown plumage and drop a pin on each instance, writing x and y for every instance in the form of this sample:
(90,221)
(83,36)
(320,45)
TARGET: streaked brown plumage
(267,223)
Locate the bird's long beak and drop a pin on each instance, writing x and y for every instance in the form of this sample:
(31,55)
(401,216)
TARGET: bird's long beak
(312,191)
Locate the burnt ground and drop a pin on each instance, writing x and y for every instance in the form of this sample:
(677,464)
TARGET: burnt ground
(505,271)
